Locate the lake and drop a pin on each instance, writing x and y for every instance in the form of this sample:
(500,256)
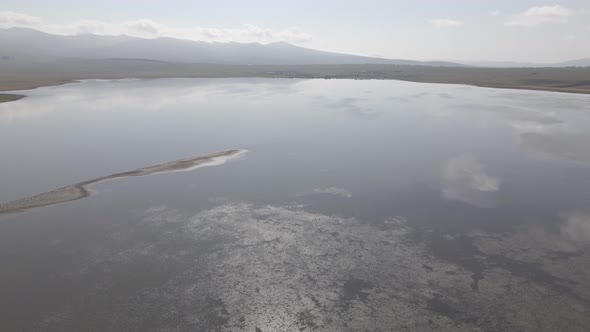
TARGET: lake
(359,205)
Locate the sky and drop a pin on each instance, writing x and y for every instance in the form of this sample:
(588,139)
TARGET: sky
(459,30)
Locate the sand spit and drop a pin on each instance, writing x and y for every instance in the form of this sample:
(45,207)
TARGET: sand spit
(6,97)
(81,189)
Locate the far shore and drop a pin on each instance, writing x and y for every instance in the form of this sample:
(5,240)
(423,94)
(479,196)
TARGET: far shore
(33,85)
(568,80)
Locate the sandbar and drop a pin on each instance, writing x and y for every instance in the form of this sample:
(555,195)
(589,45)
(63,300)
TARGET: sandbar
(6,97)
(82,189)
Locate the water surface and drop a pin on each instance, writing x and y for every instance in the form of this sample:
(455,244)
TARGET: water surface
(361,205)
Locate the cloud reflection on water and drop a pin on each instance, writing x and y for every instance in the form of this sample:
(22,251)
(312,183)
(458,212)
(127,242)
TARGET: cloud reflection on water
(577,228)
(150,96)
(464,179)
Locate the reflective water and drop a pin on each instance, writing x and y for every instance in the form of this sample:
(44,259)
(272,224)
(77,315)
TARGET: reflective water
(360,205)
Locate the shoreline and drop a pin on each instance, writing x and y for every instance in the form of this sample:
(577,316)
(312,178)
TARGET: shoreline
(82,189)
(32,86)
(564,80)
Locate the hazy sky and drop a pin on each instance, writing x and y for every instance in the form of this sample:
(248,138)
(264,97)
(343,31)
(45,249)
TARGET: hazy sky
(516,30)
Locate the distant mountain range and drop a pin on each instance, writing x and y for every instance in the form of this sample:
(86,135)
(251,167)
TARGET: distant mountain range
(22,43)
(509,64)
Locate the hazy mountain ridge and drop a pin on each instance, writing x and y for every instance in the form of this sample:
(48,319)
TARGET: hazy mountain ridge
(16,43)
(513,64)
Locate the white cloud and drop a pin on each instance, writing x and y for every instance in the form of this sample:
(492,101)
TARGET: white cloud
(530,120)
(440,23)
(577,228)
(333,191)
(147,28)
(144,26)
(496,12)
(8,19)
(535,16)
(570,38)
(464,179)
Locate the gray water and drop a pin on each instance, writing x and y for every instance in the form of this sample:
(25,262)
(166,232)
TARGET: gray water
(361,205)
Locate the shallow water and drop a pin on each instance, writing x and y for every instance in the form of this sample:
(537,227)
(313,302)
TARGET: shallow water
(361,205)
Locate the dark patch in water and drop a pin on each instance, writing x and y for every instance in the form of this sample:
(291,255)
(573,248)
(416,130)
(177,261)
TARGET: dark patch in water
(461,251)
(427,268)
(215,313)
(305,320)
(476,277)
(355,289)
(438,305)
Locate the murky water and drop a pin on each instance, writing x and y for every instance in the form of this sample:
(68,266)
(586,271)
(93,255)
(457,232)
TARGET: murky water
(361,205)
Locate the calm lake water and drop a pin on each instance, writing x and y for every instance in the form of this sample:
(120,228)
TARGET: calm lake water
(360,205)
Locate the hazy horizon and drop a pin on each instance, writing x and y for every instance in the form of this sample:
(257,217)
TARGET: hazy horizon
(526,31)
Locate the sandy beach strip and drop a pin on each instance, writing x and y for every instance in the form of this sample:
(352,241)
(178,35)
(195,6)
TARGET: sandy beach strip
(81,190)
